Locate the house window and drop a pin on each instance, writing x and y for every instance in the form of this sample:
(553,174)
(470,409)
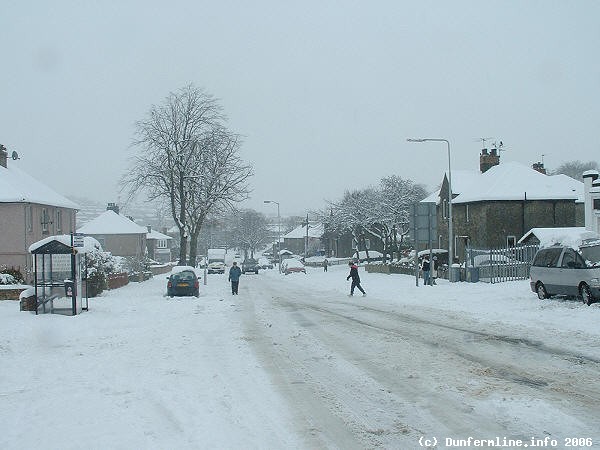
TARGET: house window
(161,243)
(467,212)
(45,220)
(58,220)
(511,241)
(29,218)
(445,209)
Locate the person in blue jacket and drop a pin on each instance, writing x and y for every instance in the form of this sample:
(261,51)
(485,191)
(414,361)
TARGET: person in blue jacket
(234,276)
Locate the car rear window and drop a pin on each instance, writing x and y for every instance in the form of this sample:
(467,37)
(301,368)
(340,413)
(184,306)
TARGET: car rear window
(547,257)
(185,276)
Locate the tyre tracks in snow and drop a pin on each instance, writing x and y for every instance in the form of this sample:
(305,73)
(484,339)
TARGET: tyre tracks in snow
(357,376)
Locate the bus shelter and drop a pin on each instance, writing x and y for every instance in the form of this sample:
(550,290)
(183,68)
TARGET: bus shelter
(59,273)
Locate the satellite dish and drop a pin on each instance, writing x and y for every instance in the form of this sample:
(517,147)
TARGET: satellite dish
(15,155)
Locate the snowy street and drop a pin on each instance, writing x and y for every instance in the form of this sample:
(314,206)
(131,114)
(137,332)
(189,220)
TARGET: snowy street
(292,362)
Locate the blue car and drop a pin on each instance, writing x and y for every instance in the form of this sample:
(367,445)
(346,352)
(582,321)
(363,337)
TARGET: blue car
(183,283)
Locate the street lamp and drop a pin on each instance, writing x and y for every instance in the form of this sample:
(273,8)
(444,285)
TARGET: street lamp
(278,232)
(450,234)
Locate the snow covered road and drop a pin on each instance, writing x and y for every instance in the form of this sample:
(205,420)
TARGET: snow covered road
(393,376)
(292,362)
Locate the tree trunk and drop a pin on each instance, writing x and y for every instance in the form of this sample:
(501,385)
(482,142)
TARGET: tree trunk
(193,248)
(182,247)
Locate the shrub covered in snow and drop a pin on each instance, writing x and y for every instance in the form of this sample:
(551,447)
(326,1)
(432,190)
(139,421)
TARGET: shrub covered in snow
(98,265)
(10,276)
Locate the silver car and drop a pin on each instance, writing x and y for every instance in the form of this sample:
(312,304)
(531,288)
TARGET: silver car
(562,270)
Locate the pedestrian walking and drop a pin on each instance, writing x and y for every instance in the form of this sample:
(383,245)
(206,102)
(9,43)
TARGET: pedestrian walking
(325,264)
(434,270)
(355,280)
(426,269)
(234,276)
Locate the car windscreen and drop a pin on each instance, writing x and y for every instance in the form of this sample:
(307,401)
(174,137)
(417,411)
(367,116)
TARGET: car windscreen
(592,254)
(547,257)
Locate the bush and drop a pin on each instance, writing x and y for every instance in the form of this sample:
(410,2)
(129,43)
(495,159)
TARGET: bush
(11,276)
(98,265)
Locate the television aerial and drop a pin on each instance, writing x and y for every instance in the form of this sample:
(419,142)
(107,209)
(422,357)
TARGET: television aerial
(483,140)
(498,146)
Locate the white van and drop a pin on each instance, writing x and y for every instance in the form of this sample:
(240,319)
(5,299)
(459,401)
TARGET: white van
(562,270)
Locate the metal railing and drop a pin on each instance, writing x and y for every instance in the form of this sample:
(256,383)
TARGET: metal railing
(501,264)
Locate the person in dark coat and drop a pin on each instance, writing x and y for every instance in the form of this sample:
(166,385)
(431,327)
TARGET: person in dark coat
(426,269)
(325,264)
(355,280)
(234,276)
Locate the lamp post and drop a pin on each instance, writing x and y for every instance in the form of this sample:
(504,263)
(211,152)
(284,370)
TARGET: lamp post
(278,232)
(450,234)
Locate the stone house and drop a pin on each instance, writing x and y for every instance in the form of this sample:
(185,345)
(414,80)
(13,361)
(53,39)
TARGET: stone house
(29,212)
(117,234)
(495,207)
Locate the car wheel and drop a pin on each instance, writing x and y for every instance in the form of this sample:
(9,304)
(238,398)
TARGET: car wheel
(542,293)
(586,294)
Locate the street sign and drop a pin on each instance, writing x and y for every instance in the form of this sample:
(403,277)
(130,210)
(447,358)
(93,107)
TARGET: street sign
(78,239)
(423,223)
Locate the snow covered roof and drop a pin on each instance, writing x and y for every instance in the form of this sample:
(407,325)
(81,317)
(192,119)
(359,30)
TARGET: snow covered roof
(569,236)
(314,231)
(18,187)
(89,243)
(156,235)
(511,181)
(514,181)
(109,222)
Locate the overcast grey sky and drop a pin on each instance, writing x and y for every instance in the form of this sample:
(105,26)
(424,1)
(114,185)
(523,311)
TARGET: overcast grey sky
(326,93)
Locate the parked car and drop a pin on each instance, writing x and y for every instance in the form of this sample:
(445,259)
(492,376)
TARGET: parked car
(264,263)
(216,267)
(492,260)
(183,281)
(250,265)
(562,270)
(292,265)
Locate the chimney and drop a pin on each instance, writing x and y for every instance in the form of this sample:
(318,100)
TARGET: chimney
(539,167)
(590,178)
(3,156)
(149,227)
(113,207)
(488,160)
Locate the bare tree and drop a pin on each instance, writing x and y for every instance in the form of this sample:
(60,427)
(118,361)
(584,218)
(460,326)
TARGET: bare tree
(174,138)
(379,212)
(250,229)
(575,169)
(219,181)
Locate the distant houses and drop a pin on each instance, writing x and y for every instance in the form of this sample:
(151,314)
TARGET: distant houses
(159,245)
(29,212)
(117,234)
